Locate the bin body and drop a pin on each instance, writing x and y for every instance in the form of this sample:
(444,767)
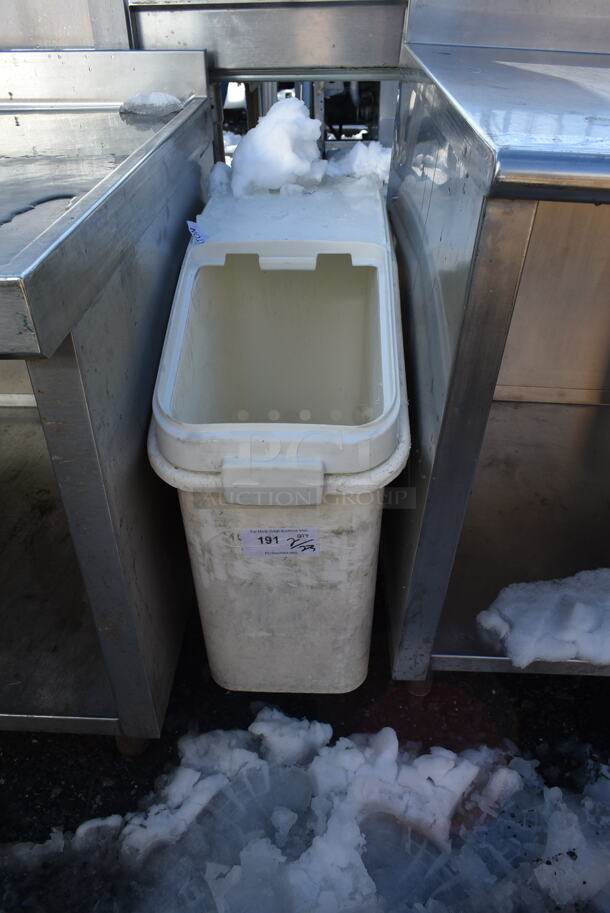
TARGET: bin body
(279,416)
(278,622)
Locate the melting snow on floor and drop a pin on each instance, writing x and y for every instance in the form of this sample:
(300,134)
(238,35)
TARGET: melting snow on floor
(281,818)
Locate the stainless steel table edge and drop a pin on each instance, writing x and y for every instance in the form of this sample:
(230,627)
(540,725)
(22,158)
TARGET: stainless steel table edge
(538,174)
(29,266)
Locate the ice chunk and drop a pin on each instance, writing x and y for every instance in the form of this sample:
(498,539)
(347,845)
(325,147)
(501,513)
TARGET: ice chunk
(599,789)
(334,768)
(289,741)
(244,810)
(164,824)
(501,786)
(33,854)
(281,149)
(277,820)
(90,834)
(282,819)
(403,864)
(574,868)
(255,885)
(330,875)
(154,104)
(220,751)
(362,160)
(424,796)
(553,620)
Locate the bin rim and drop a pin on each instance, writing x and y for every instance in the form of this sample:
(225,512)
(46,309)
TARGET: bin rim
(334,483)
(345,448)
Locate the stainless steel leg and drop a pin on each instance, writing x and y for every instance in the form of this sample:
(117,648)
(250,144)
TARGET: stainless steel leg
(423,547)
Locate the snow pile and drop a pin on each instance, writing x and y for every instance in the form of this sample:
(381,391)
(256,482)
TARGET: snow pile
(281,149)
(362,160)
(282,153)
(553,620)
(278,820)
(155,104)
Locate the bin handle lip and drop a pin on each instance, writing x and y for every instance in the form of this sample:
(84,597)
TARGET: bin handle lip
(214,253)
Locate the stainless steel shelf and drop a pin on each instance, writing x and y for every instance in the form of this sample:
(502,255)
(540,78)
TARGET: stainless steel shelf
(456,662)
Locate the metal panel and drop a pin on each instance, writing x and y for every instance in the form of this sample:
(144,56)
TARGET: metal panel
(15,386)
(95,78)
(66,424)
(50,659)
(440,172)
(274,37)
(45,24)
(562,25)
(429,542)
(17,333)
(558,347)
(109,24)
(94,397)
(63,24)
(14,377)
(307,74)
(538,510)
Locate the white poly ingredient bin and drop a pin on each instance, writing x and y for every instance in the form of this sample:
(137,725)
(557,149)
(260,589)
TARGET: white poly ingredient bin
(280,415)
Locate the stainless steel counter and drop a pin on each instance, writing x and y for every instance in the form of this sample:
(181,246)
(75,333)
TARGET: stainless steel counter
(501,160)
(48,161)
(545,115)
(94,579)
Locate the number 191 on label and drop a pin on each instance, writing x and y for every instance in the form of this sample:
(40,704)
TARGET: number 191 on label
(267,543)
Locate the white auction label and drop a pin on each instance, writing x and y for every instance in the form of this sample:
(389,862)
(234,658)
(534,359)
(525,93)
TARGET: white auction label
(267,542)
